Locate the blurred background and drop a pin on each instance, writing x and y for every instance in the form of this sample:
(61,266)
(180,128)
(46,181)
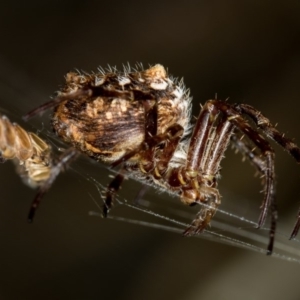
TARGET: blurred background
(248,51)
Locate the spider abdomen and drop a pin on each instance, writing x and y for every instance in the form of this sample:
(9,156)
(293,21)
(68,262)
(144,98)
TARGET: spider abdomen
(108,119)
(102,129)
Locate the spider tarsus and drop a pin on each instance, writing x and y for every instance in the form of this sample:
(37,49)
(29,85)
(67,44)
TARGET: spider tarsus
(188,232)
(262,219)
(105,211)
(295,152)
(271,244)
(294,234)
(31,216)
(196,227)
(296,229)
(36,202)
(112,189)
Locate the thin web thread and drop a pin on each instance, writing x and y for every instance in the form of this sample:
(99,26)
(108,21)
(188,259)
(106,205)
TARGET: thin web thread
(284,250)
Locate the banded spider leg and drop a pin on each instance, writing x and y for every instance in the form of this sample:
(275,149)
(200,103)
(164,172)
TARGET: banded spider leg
(207,146)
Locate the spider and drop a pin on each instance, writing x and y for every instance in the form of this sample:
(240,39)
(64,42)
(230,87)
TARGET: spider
(139,120)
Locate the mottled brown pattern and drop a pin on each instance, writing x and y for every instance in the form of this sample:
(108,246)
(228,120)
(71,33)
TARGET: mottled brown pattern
(91,127)
(139,120)
(110,126)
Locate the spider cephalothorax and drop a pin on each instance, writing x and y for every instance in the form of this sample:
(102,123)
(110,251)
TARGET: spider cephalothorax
(139,120)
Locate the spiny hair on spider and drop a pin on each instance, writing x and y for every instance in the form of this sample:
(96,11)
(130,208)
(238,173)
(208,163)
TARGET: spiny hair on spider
(138,120)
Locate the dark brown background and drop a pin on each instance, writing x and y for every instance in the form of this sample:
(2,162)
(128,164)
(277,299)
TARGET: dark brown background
(240,49)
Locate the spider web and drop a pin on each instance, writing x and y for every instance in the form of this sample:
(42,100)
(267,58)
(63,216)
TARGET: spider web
(150,208)
(168,214)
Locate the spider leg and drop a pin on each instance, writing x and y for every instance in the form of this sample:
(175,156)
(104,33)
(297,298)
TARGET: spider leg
(246,150)
(270,130)
(200,138)
(260,165)
(296,227)
(63,161)
(206,212)
(171,139)
(213,153)
(112,189)
(234,116)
